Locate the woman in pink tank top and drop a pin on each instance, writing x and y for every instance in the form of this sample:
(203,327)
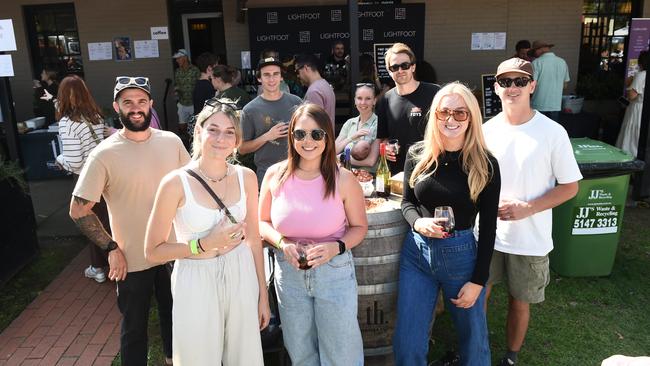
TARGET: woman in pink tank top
(308,198)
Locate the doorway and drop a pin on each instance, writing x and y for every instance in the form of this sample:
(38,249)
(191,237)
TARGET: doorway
(203,32)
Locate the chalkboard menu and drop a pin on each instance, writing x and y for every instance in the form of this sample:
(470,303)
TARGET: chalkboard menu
(491,101)
(380,60)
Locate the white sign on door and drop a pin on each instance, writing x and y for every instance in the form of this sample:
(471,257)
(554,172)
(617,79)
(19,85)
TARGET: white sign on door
(7,37)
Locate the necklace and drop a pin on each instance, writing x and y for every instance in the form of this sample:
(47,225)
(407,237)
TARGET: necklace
(213,180)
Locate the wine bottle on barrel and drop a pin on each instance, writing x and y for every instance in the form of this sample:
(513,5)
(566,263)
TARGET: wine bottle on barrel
(382,182)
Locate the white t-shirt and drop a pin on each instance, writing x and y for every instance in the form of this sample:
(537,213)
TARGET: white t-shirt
(532,157)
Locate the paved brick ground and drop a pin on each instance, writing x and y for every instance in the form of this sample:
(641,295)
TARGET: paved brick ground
(74,321)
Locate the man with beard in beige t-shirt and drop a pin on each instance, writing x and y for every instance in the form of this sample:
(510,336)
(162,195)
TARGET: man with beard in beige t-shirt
(126,169)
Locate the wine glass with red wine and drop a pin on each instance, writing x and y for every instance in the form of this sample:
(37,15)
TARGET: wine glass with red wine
(445,216)
(302,246)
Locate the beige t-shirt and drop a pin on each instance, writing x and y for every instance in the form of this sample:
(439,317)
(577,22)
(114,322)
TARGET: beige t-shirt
(127,174)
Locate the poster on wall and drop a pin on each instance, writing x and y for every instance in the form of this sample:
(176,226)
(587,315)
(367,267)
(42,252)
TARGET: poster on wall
(6,66)
(380,60)
(7,37)
(639,41)
(146,48)
(98,51)
(290,30)
(122,47)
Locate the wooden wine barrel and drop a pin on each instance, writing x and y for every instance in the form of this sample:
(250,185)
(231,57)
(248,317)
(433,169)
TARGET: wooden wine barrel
(376,262)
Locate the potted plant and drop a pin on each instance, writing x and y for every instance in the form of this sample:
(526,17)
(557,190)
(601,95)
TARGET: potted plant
(19,243)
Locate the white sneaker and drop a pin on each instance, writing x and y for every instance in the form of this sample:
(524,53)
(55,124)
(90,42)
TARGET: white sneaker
(97,274)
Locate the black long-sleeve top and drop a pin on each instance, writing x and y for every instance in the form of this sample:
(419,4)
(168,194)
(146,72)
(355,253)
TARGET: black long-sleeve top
(448,186)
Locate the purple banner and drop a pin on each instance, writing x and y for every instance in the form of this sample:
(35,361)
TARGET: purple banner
(639,38)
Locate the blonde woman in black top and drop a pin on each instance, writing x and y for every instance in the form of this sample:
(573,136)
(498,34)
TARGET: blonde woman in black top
(450,167)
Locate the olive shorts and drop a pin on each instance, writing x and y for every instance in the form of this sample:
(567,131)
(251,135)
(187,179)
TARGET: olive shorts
(525,276)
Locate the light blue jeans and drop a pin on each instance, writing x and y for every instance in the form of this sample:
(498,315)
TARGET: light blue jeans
(427,265)
(318,310)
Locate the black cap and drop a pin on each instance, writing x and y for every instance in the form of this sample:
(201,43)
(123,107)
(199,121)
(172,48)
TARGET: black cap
(269,61)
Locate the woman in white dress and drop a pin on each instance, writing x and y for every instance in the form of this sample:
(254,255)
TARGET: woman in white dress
(218,283)
(628,138)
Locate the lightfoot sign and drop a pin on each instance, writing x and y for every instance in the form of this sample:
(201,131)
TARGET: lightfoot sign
(294,30)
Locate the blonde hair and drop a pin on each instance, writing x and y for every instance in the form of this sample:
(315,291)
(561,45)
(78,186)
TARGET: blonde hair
(212,107)
(399,48)
(475,156)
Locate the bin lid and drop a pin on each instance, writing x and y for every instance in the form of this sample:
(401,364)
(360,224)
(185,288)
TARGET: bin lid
(598,159)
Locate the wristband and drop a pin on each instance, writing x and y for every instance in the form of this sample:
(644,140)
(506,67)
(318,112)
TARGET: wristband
(341,246)
(278,244)
(193,247)
(198,242)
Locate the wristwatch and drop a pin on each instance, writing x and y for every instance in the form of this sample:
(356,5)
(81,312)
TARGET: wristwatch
(110,246)
(341,246)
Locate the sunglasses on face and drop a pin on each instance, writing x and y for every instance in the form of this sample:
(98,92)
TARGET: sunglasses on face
(459,114)
(137,80)
(519,82)
(403,66)
(316,135)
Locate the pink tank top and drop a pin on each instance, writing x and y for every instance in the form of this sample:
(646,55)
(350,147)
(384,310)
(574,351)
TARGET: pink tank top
(298,211)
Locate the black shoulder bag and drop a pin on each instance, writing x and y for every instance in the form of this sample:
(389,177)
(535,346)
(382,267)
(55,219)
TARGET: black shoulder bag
(272,333)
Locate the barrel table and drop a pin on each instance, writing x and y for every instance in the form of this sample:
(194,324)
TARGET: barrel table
(376,262)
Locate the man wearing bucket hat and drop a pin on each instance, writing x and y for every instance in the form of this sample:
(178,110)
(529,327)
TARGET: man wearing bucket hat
(126,169)
(185,79)
(538,172)
(552,76)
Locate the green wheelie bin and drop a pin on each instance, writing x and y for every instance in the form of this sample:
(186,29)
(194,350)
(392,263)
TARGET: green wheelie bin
(586,229)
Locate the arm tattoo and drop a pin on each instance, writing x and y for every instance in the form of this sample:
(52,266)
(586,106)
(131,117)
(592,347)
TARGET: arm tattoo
(91,227)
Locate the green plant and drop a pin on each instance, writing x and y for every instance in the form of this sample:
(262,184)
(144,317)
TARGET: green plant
(12,172)
(602,85)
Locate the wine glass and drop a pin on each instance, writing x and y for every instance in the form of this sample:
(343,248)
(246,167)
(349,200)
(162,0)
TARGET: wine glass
(445,216)
(302,246)
(393,145)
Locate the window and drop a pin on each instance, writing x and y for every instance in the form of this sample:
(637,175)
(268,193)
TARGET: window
(605,30)
(54,39)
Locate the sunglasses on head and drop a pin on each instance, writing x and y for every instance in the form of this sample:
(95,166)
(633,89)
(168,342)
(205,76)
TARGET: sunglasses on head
(136,80)
(459,114)
(359,85)
(403,66)
(215,102)
(316,134)
(519,82)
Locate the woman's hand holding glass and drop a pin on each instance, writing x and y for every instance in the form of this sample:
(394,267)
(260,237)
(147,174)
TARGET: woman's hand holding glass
(224,237)
(290,251)
(430,227)
(467,295)
(322,253)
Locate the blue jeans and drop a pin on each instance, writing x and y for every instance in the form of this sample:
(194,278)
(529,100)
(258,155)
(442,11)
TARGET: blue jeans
(318,310)
(426,265)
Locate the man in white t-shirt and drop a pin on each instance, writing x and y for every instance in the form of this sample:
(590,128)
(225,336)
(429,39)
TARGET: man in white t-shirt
(538,172)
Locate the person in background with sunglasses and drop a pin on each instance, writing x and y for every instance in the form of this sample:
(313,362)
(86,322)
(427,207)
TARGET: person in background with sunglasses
(126,169)
(319,91)
(308,197)
(218,284)
(265,119)
(359,132)
(538,172)
(402,111)
(450,167)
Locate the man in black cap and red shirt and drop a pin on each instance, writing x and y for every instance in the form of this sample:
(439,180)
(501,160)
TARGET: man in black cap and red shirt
(126,170)
(265,119)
